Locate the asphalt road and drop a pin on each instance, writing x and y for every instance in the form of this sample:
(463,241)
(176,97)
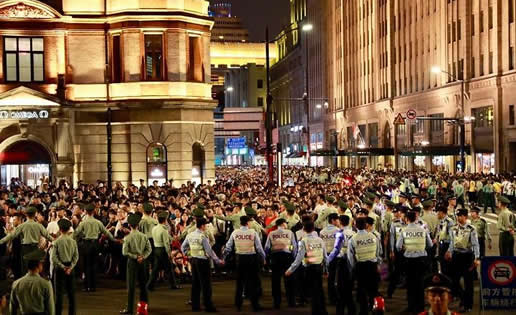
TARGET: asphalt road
(110,297)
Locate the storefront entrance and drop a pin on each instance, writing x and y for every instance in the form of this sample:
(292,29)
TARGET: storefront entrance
(27,162)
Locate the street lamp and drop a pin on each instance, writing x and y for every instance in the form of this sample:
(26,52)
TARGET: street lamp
(462,120)
(306,27)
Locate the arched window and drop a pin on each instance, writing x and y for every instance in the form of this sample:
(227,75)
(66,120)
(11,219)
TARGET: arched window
(156,163)
(198,163)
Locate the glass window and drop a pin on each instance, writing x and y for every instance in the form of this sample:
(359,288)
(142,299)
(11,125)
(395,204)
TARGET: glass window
(483,117)
(156,163)
(153,58)
(23,59)
(437,125)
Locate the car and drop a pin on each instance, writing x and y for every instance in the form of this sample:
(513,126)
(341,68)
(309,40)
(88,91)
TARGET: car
(502,272)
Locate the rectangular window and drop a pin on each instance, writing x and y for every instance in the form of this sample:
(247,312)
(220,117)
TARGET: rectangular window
(153,57)
(260,101)
(511,114)
(437,125)
(116,61)
(449,33)
(260,84)
(23,59)
(473,67)
(511,11)
(454,31)
(195,65)
(459,30)
(511,58)
(481,21)
(491,62)
(484,117)
(473,25)
(481,65)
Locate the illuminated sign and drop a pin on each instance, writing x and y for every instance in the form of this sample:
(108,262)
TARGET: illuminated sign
(39,169)
(156,173)
(22,114)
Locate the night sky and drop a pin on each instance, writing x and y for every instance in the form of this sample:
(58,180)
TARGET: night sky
(256,14)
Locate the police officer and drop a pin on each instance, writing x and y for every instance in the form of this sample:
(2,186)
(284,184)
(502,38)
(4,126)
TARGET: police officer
(162,252)
(396,257)
(413,242)
(482,228)
(322,217)
(146,225)
(344,277)
(199,250)
(363,256)
(32,294)
(464,252)
(505,225)
(312,253)
(282,246)
(137,249)
(328,236)
(30,231)
(438,294)
(65,256)
(87,233)
(443,237)
(246,244)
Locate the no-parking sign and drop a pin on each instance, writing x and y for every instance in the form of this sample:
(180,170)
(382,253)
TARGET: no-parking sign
(498,283)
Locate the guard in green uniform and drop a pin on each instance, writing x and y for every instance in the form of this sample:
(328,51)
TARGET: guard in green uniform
(32,294)
(137,249)
(65,256)
(322,218)
(146,225)
(288,215)
(87,234)
(505,226)
(30,232)
(312,253)
(199,250)
(482,228)
(162,252)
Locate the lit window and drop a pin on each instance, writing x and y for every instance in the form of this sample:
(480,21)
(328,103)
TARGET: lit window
(153,57)
(23,59)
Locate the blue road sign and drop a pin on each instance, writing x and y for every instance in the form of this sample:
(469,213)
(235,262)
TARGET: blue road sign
(236,143)
(498,283)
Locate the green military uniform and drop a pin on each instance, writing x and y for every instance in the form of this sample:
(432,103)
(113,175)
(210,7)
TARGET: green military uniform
(30,232)
(161,257)
(430,218)
(146,225)
(65,255)
(136,245)
(253,225)
(322,218)
(505,226)
(233,218)
(482,228)
(87,234)
(32,294)
(292,218)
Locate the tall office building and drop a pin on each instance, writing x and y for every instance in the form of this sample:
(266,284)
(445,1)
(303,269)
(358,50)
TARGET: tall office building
(383,53)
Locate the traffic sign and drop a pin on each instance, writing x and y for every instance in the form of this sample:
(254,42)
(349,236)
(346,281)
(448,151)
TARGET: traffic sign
(498,283)
(399,120)
(411,114)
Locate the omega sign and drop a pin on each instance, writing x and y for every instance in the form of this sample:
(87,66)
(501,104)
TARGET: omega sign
(22,114)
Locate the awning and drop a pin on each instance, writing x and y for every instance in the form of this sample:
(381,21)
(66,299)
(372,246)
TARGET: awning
(355,152)
(451,150)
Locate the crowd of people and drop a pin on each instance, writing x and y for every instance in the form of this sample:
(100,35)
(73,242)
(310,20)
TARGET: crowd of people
(358,226)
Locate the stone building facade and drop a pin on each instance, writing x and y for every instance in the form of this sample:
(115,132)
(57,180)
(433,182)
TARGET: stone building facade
(383,53)
(66,63)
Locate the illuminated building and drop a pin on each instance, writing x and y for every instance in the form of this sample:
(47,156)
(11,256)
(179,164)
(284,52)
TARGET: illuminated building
(65,63)
(382,55)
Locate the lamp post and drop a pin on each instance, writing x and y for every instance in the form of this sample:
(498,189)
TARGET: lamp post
(460,122)
(268,117)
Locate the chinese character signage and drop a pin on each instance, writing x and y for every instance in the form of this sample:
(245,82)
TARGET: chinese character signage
(236,143)
(498,283)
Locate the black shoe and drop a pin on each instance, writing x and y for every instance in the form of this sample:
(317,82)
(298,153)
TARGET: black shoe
(196,309)
(211,310)
(86,290)
(92,290)
(126,312)
(257,308)
(239,308)
(176,287)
